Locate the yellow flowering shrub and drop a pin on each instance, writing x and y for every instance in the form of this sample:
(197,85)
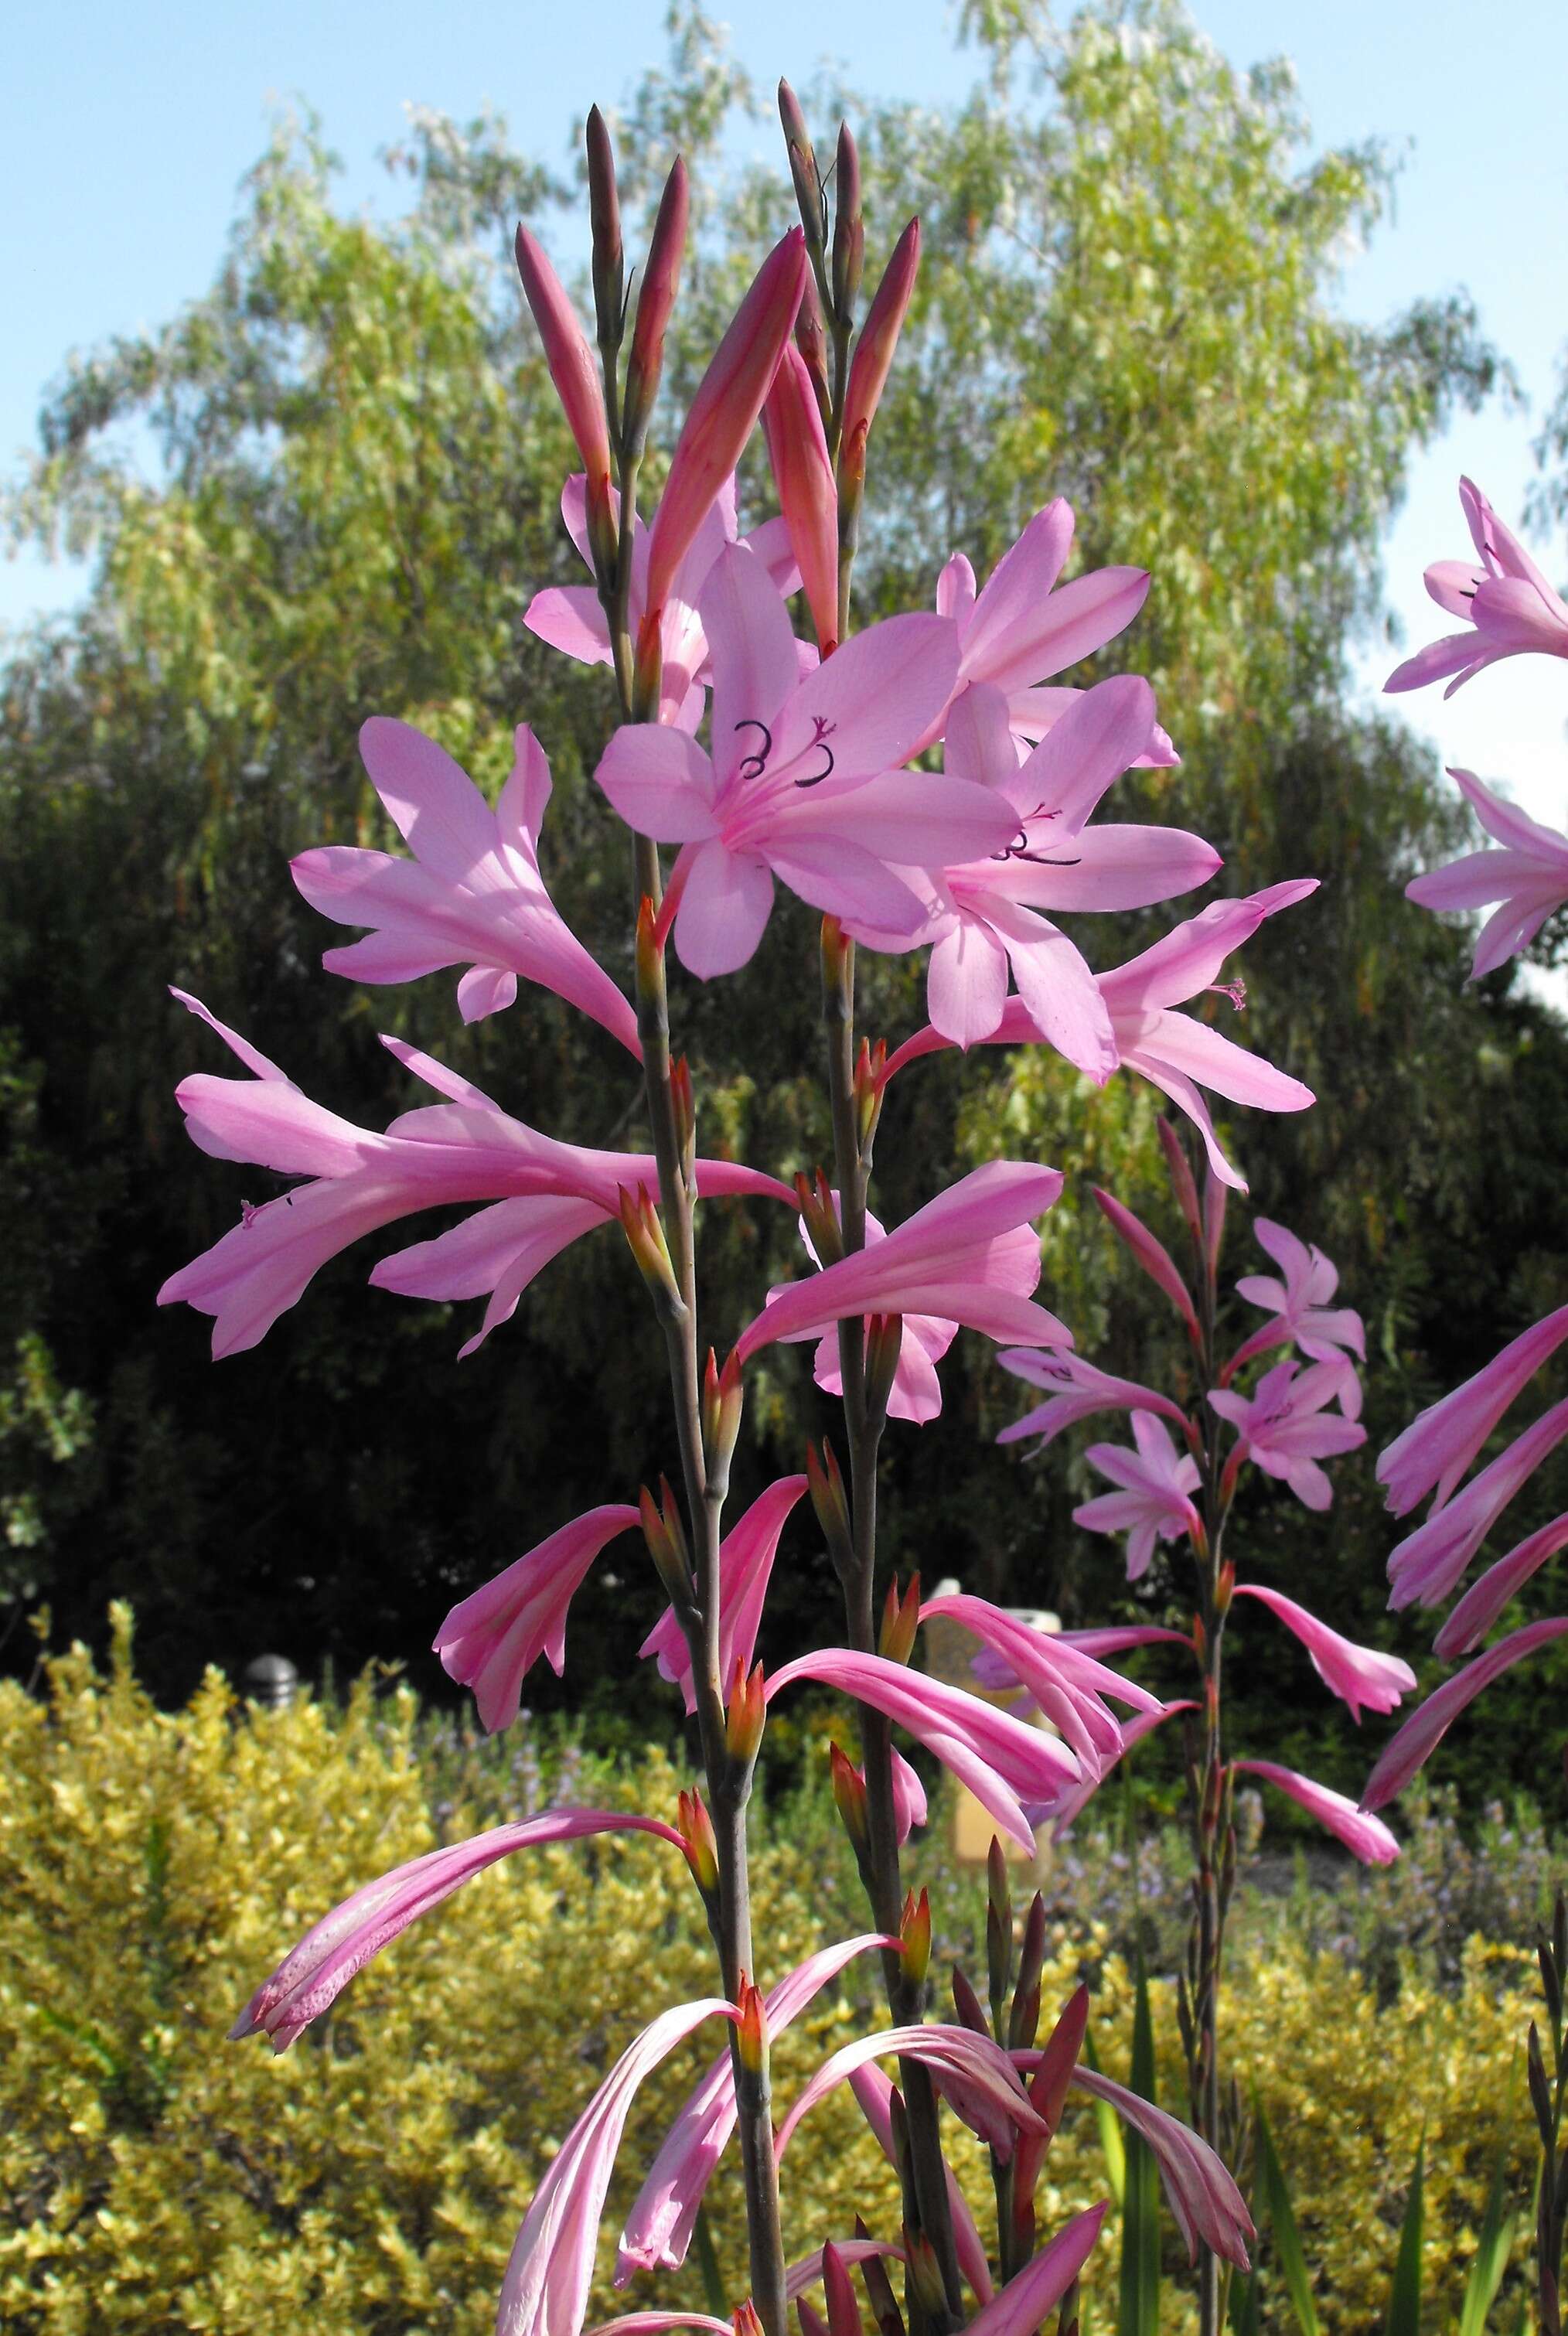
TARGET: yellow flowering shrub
(154,2177)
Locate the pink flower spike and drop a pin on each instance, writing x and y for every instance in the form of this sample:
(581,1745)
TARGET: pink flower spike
(1284,1428)
(1528,875)
(1155,1500)
(1071,1807)
(873,355)
(970,1256)
(804,475)
(873,2093)
(723,414)
(1428,1562)
(493,1638)
(1441,1442)
(1367,1838)
(994,2102)
(1298,1304)
(745,1560)
(1481,1603)
(1075,1390)
(1504,595)
(1361,1676)
(658,2229)
(573,367)
(470,895)
(1419,1737)
(1003,1762)
(546,2289)
(1206,2202)
(1034,2292)
(314,1974)
(1150,1253)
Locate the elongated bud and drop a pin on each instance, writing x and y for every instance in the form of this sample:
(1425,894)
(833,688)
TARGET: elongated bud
(1214,1221)
(811,2322)
(838,961)
(811,340)
(667,1544)
(655,306)
(879,2289)
(744,2321)
(901,1620)
(915,1937)
(1181,1175)
(723,414)
(1225,1588)
(873,355)
(802,474)
(685,1109)
(968,2005)
(819,1216)
(744,1720)
(644,1230)
(1064,2049)
(849,227)
(803,172)
(884,1345)
(1023,2020)
(849,1789)
(843,2312)
(698,1841)
(998,1929)
(824,1480)
(723,1397)
(604,212)
(871,1065)
(650,949)
(925,2275)
(647,666)
(1150,1253)
(575,373)
(751,2028)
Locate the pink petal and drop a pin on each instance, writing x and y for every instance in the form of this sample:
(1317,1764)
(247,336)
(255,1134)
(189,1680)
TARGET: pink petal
(1366,1836)
(724,910)
(1430,1722)
(659,782)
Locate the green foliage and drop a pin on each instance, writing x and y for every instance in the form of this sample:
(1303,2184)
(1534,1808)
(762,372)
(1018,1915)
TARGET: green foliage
(1405,2290)
(1273,2197)
(1138,2301)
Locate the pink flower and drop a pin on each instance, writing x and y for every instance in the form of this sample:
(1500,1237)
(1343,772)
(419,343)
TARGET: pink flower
(1430,1721)
(1528,875)
(971,2072)
(1066,1685)
(1428,1563)
(1071,1806)
(1157,1500)
(471,894)
(803,783)
(1206,2202)
(873,2094)
(1481,1603)
(1032,2295)
(570,617)
(970,1256)
(1075,1390)
(658,2229)
(916,1393)
(1360,1676)
(312,1977)
(874,349)
(573,368)
(723,414)
(548,1193)
(1299,1312)
(1283,1427)
(1440,1442)
(1504,595)
(745,1560)
(1003,1762)
(804,475)
(493,1637)
(1366,1837)
(546,2289)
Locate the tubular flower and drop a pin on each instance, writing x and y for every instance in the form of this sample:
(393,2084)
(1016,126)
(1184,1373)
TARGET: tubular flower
(803,783)
(1067,1685)
(547,1194)
(976,2076)
(1433,1452)
(1428,1562)
(1206,2202)
(746,1561)
(1528,875)
(1481,1603)
(493,1638)
(570,617)
(312,1977)
(470,895)
(1155,1501)
(1075,1390)
(916,1393)
(1361,1676)
(1366,1837)
(1283,1425)
(1430,1721)
(1299,1309)
(969,1257)
(1502,595)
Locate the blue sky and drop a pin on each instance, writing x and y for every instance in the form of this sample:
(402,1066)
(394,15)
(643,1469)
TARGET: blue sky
(123,133)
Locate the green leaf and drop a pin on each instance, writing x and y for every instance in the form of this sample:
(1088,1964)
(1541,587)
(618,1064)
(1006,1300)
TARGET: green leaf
(1492,2252)
(1275,2192)
(1404,2295)
(1139,2302)
(713,2286)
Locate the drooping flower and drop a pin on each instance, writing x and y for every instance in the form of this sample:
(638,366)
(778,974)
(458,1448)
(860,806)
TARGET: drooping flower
(1485,1600)
(1428,1562)
(1066,1685)
(314,1974)
(969,1257)
(1428,1725)
(471,894)
(802,781)
(1155,1501)
(1361,1676)
(1075,1390)
(1283,1426)
(1206,2202)
(1502,595)
(493,1637)
(1299,1309)
(1527,875)
(973,2073)
(746,1559)
(1433,1452)
(548,1195)
(1366,1837)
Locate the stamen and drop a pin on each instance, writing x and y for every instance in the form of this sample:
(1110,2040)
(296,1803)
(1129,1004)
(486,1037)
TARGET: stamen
(755,765)
(822,730)
(1236,991)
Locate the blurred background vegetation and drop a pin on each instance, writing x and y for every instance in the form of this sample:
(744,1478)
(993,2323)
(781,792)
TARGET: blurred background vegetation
(329,488)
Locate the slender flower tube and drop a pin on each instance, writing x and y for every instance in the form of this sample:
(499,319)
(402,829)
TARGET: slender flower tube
(493,1638)
(1155,1499)
(1434,1452)
(1298,1304)
(1527,875)
(1075,1390)
(574,369)
(1366,1836)
(471,894)
(314,1974)
(658,2229)
(723,414)
(746,1561)
(873,2093)
(1503,595)
(1206,2202)
(985,2086)
(1419,1737)
(1481,1603)
(1428,1562)
(873,355)
(1361,1676)
(802,474)
(1283,1426)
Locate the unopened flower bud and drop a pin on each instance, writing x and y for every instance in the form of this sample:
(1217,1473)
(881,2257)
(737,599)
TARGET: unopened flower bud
(644,1230)
(849,1790)
(1225,1588)
(685,1109)
(667,1544)
(870,1067)
(751,2028)
(575,374)
(998,1929)
(1063,2049)
(803,171)
(873,356)
(604,212)
(879,2289)
(925,2274)
(1067,2318)
(915,1937)
(811,2322)
(647,666)
(1024,2018)
(811,340)
(698,1841)
(744,1720)
(843,2312)
(1181,1174)
(849,227)
(655,305)
(884,1345)
(968,2005)
(744,2321)
(1214,1221)
(802,474)
(650,949)
(723,1396)
(838,962)
(819,1216)
(824,1480)
(901,1620)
